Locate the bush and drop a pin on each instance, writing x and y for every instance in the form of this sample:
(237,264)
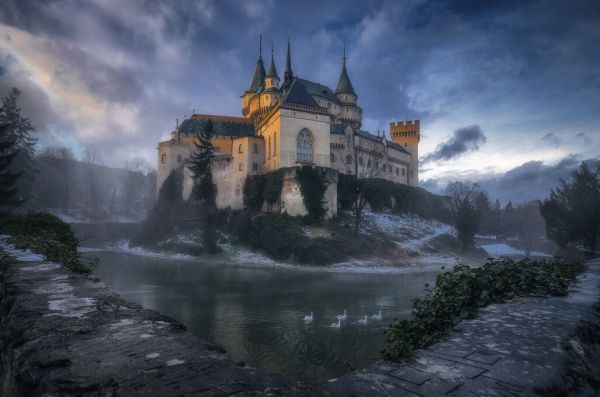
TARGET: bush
(276,234)
(253,192)
(459,293)
(47,235)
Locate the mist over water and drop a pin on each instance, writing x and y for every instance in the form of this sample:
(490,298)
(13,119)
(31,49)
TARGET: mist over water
(257,314)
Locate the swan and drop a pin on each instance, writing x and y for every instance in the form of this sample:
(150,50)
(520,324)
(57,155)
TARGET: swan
(336,325)
(377,316)
(308,318)
(363,321)
(342,316)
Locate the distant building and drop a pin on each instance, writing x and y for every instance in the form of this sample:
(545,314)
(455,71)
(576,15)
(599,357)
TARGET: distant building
(292,123)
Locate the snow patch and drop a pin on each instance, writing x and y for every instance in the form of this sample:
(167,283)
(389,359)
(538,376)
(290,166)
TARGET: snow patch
(502,249)
(123,246)
(152,355)
(174,361)
(41,267)
(71,307)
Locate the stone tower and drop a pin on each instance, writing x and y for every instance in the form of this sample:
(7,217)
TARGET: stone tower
(408,134)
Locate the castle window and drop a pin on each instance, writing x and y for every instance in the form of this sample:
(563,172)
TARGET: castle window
(255,148)
(332,157)
(304,146)
(241,148)
(254,166)
(241,166)
(275,144)
(269,147)
(163,158)
(403,172)
(348,159)
(397,171)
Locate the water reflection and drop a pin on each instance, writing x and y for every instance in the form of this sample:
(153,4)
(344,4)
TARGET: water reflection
(256,314)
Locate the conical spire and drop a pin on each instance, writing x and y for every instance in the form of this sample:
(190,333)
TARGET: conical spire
(288,75)
(344,86)
(272,71)
(258,80)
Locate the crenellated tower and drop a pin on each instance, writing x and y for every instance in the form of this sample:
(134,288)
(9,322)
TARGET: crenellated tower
(408,134)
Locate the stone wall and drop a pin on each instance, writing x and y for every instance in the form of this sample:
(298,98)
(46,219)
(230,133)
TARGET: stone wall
(292,202)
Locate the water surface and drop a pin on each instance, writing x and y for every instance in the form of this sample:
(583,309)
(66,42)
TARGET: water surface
(256,313)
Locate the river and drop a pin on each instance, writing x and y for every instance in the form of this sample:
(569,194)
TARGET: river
(257,313)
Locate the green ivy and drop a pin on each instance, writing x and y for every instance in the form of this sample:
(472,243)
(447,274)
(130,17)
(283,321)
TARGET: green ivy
(458,294)
(253,191)
(312,187)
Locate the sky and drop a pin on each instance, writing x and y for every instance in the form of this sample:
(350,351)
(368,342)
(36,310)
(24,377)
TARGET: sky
(508,93)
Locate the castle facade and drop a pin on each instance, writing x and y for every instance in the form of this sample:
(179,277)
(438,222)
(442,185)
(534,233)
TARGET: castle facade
(290,123)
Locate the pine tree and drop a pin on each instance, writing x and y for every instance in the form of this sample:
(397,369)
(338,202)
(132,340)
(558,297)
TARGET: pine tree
(572,212)
(8,179)
(19,129)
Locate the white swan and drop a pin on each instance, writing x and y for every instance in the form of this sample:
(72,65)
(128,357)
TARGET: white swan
(377,316)
(363,321)
(336,325)
(342,316)
(308,318)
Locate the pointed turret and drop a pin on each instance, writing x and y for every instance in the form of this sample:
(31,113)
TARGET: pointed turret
(271,79)
(344,86)
(258,80)
(272,71)
(288,75)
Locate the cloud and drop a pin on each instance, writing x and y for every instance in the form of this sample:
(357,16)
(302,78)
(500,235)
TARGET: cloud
(552,139)
(586,139)
(463,140)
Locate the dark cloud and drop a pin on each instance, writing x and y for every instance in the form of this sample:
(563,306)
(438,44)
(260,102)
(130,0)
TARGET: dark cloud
(532,180)
(552,139)
(463,140)
(586,139)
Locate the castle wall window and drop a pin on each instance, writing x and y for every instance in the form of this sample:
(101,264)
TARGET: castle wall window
(163,158)
(403,172)
(254,166)
(304,146)
(397,171)
(241,148)
(332,157)
(348,159)
(255,148)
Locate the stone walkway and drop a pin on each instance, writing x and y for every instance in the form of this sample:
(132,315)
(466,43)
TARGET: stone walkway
(67,334)
(514,349)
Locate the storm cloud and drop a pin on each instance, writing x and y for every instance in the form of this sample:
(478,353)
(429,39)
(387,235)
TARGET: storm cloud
(463,140)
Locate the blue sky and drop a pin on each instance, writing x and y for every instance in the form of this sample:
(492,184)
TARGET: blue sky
(521,76)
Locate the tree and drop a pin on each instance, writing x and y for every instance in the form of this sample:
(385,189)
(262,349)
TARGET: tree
(8,179)
(61,159)
(20,130)
(205,191)
(572,212)
(508,220)
(362,164)
(463,198)
(531,225)
(486,221)
(93,189)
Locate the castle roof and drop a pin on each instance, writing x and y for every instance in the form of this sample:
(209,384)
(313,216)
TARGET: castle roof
(272,71)
(375,138)
(344,86)
(223,125)
(297,93)
(321,90)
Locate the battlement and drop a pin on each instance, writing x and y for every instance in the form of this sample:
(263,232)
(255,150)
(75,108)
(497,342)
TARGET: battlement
(408,123)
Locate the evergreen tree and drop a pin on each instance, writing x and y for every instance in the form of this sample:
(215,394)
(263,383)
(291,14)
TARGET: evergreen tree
(572,212)
(8,179)
(20,130)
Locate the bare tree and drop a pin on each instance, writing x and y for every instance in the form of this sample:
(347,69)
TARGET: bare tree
(61,158)
(531,226)
(92,158)
(364,161)
(463,200)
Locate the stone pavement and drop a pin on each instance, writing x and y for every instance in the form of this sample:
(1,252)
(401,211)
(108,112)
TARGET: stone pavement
(514,349)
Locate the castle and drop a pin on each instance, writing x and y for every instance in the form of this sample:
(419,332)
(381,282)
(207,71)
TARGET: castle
(291,123)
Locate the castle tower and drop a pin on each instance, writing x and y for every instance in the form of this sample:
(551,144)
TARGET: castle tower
(258,81)
(288,75)
(408,134)
(271,78)
(351,113)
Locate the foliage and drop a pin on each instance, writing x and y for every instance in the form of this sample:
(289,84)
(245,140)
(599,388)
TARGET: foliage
(8,179)
(19,129)
(382,194)
(45,234)
(465,216)
(253,191)
(572,212)
(312,186)
(273,185)
(200,160)
(458,294)
(276,234)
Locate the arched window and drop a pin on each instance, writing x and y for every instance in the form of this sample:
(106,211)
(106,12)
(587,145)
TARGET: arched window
(241,148)
(332,157)
(255,148)
(304,146)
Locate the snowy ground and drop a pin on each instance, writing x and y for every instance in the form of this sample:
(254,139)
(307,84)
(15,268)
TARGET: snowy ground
(77,216)
(502,249)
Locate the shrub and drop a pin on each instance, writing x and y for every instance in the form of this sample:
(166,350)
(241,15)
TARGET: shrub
(313,190)
(47,235)
(276,234)
(459,293)
(273,184)
(253,191)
